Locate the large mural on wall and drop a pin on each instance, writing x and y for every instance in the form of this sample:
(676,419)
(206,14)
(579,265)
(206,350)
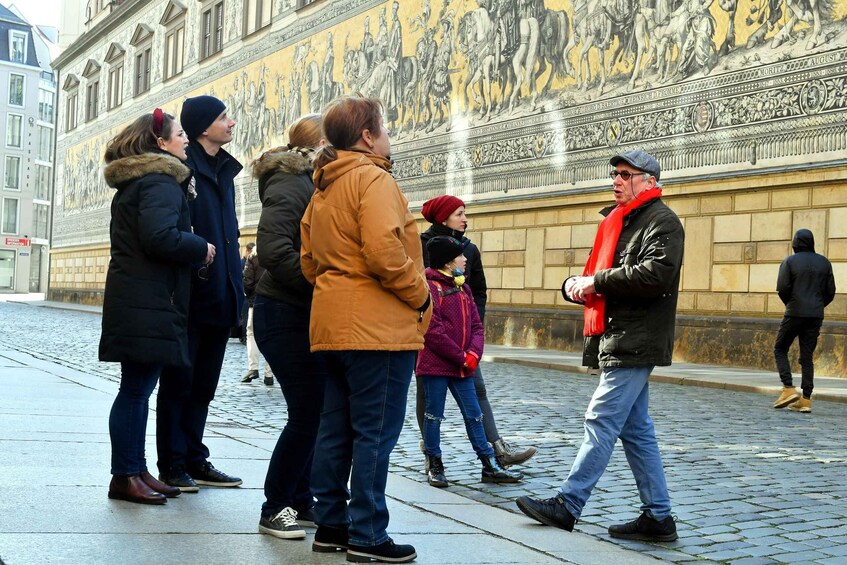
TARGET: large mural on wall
(476,91)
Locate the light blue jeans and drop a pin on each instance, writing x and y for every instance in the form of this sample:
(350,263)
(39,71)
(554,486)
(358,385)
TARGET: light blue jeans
(618,409)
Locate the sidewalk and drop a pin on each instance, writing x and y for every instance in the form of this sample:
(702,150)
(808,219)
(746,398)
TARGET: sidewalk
(54,462)
(690,374)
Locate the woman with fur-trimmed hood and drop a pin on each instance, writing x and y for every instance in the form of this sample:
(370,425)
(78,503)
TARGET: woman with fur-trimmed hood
(145,307)
(281,310)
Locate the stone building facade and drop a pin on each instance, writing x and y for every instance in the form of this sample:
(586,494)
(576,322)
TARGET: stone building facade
(514,106)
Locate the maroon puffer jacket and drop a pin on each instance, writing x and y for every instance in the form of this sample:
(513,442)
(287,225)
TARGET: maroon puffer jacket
(455,329)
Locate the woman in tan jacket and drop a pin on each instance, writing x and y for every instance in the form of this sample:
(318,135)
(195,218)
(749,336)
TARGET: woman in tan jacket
(362,251)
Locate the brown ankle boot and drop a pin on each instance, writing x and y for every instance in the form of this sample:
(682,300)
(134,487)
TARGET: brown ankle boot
(133,489)
(788,396)
(159,486)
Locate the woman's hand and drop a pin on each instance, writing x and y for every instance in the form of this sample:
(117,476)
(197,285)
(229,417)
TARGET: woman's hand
(210,254)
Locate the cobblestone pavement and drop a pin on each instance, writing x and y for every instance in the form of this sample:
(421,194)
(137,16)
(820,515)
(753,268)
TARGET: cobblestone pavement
(749,484)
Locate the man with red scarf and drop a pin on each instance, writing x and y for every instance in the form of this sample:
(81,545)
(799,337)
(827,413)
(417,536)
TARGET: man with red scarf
(629,288)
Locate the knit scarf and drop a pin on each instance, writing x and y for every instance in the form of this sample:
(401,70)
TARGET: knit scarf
(603,255)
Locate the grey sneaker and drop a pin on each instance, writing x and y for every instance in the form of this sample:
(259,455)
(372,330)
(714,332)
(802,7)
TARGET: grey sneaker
(282,525)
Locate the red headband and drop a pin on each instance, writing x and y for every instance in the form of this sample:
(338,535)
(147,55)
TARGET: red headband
(158,121)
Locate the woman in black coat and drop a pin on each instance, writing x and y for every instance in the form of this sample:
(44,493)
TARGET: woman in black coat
(446,213)
(145,308)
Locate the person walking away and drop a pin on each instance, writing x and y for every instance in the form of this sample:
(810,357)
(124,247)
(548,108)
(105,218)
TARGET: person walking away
(253,271)
(217,294)
(362,251)
(806,286)
(629,287)
(448,216)
(281,313)
(145,305)
(453,345)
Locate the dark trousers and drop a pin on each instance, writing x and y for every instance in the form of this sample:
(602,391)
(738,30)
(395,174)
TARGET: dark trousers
(128,418)
(282,334)
(807,330)
(488,422)
(184,396)
(363,412)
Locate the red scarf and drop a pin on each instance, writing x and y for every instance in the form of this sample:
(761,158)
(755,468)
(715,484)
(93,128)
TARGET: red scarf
(603,254)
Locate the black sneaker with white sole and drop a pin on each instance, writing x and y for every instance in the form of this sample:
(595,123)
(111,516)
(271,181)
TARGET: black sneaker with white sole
(282,525)
(386,552)
(306,517)
(209,476)
(179,479)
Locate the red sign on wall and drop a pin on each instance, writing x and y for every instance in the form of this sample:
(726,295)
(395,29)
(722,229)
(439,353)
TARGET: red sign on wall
(17,242)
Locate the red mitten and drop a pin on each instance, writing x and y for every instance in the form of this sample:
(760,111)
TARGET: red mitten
(471,361)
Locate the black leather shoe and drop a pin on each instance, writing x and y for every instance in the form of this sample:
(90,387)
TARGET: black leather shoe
(386,552)
(646,528)
(550,512)
(209,476)
(133,489)
(330,539)
(180,480)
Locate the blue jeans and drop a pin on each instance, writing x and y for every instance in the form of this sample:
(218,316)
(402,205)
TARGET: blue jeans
(282,335)
(185,393)
(363,412)
(618,409)
(128,418)
(464,392)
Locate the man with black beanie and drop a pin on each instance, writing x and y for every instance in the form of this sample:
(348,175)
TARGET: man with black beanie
(217,294)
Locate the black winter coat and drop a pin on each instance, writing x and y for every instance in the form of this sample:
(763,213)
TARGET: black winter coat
(285,188)
(474,274)
(218,300)
(641,290)
(805,282)
(253,271)
(145,308)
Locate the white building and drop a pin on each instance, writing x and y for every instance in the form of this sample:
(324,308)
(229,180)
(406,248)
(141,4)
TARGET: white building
(27,113)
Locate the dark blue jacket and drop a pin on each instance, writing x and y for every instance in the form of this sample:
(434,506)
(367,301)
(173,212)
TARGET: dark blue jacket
(145,308)
(216,301)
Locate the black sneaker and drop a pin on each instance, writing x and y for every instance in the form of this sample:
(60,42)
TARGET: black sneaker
(646,528)
(180,480)
(330,539)
(550,512)
(306,517)
(386,552)
(269,380)
(282,525)
(209,476)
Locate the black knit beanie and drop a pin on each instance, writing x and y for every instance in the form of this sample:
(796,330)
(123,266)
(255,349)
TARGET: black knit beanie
(199,113)
(442,249)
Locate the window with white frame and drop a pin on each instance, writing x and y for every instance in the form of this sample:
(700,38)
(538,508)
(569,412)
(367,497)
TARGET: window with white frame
(45,144)
(43,182)
(12,176)
(71,109)
(174,49)
(16,89)
(41,220)
(45,105)
(212,29)
(142,70)
(10,216)
(92,97)
(257,14)
(17,46)
(116,85)
(14,130)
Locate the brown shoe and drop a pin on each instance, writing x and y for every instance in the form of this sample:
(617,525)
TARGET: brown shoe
(159,486)
(133,489)
(788,396)
(803,405)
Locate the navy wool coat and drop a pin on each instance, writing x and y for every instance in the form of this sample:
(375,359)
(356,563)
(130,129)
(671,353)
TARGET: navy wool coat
(216,300)
(145,309)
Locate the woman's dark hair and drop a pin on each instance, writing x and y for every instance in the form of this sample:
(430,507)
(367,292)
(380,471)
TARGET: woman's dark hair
(138,137)
(344,119)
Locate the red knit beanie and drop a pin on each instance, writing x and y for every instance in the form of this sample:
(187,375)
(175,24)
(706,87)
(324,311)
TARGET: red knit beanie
(438,209)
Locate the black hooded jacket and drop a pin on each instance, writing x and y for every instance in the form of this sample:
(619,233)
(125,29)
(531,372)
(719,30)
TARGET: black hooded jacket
(805,282)
(474,275)
(145,308)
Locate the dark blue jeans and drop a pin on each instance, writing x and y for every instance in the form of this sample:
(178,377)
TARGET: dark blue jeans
(807,330)
(182,405)
(282,334)
(465,394)
(128,418)
(363,412)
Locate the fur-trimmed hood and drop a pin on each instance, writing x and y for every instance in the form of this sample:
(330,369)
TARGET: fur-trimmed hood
(126,169)
(290,162)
